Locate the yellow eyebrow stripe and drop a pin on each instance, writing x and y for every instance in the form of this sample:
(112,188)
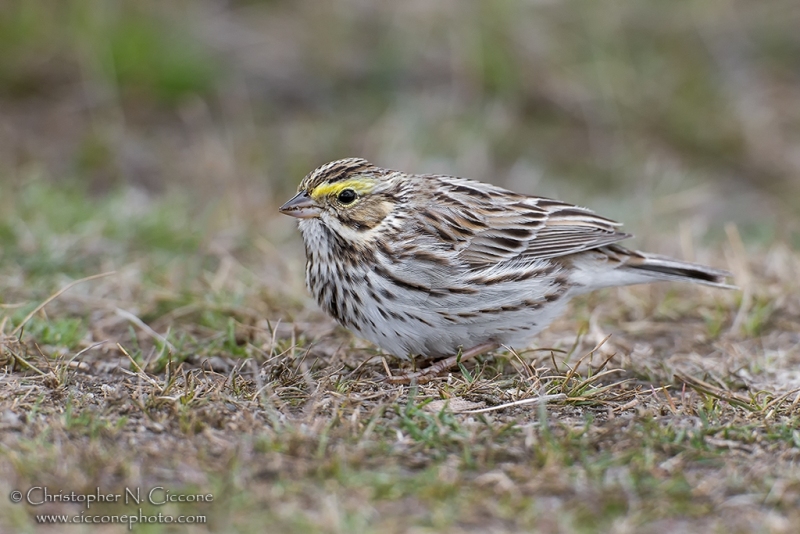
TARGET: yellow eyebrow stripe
(359,185)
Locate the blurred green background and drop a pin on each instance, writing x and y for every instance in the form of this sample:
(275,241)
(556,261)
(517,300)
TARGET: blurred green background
(655,113)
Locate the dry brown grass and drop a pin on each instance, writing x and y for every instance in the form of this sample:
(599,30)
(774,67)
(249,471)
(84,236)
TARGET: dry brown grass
(156,140)
(684,419)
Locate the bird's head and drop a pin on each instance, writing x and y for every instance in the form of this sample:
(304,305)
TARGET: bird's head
(348,195)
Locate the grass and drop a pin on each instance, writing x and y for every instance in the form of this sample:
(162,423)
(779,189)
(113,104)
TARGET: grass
(154,326)
(225,382)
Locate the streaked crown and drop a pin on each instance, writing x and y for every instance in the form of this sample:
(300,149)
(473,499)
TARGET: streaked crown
(335,172)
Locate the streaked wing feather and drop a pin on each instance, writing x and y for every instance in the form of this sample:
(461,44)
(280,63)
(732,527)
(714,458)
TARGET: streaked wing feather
(524,227)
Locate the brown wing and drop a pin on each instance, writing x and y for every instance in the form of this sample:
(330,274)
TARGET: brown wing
(493,225)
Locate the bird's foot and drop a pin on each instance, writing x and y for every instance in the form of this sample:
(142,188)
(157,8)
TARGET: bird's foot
(429,373)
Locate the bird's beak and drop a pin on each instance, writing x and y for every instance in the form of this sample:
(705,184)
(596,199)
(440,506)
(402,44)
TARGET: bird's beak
(301,206)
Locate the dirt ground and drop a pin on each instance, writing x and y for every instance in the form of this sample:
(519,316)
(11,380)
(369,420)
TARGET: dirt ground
(158,346)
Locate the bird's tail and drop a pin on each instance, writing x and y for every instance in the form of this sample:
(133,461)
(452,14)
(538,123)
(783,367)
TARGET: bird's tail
(666,268)
(613,265)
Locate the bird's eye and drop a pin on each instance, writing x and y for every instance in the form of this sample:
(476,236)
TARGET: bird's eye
(347,196)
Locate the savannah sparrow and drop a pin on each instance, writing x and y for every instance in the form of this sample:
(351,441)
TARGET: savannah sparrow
(430,265)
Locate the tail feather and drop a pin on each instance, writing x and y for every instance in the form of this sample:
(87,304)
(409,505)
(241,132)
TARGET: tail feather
(665,268)
(614,265)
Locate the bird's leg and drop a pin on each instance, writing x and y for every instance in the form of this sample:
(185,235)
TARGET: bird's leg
(425,375)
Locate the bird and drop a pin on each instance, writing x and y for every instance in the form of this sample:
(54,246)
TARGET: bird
(449,268)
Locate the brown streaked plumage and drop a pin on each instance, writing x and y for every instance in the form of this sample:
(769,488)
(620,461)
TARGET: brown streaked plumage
(432,264)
